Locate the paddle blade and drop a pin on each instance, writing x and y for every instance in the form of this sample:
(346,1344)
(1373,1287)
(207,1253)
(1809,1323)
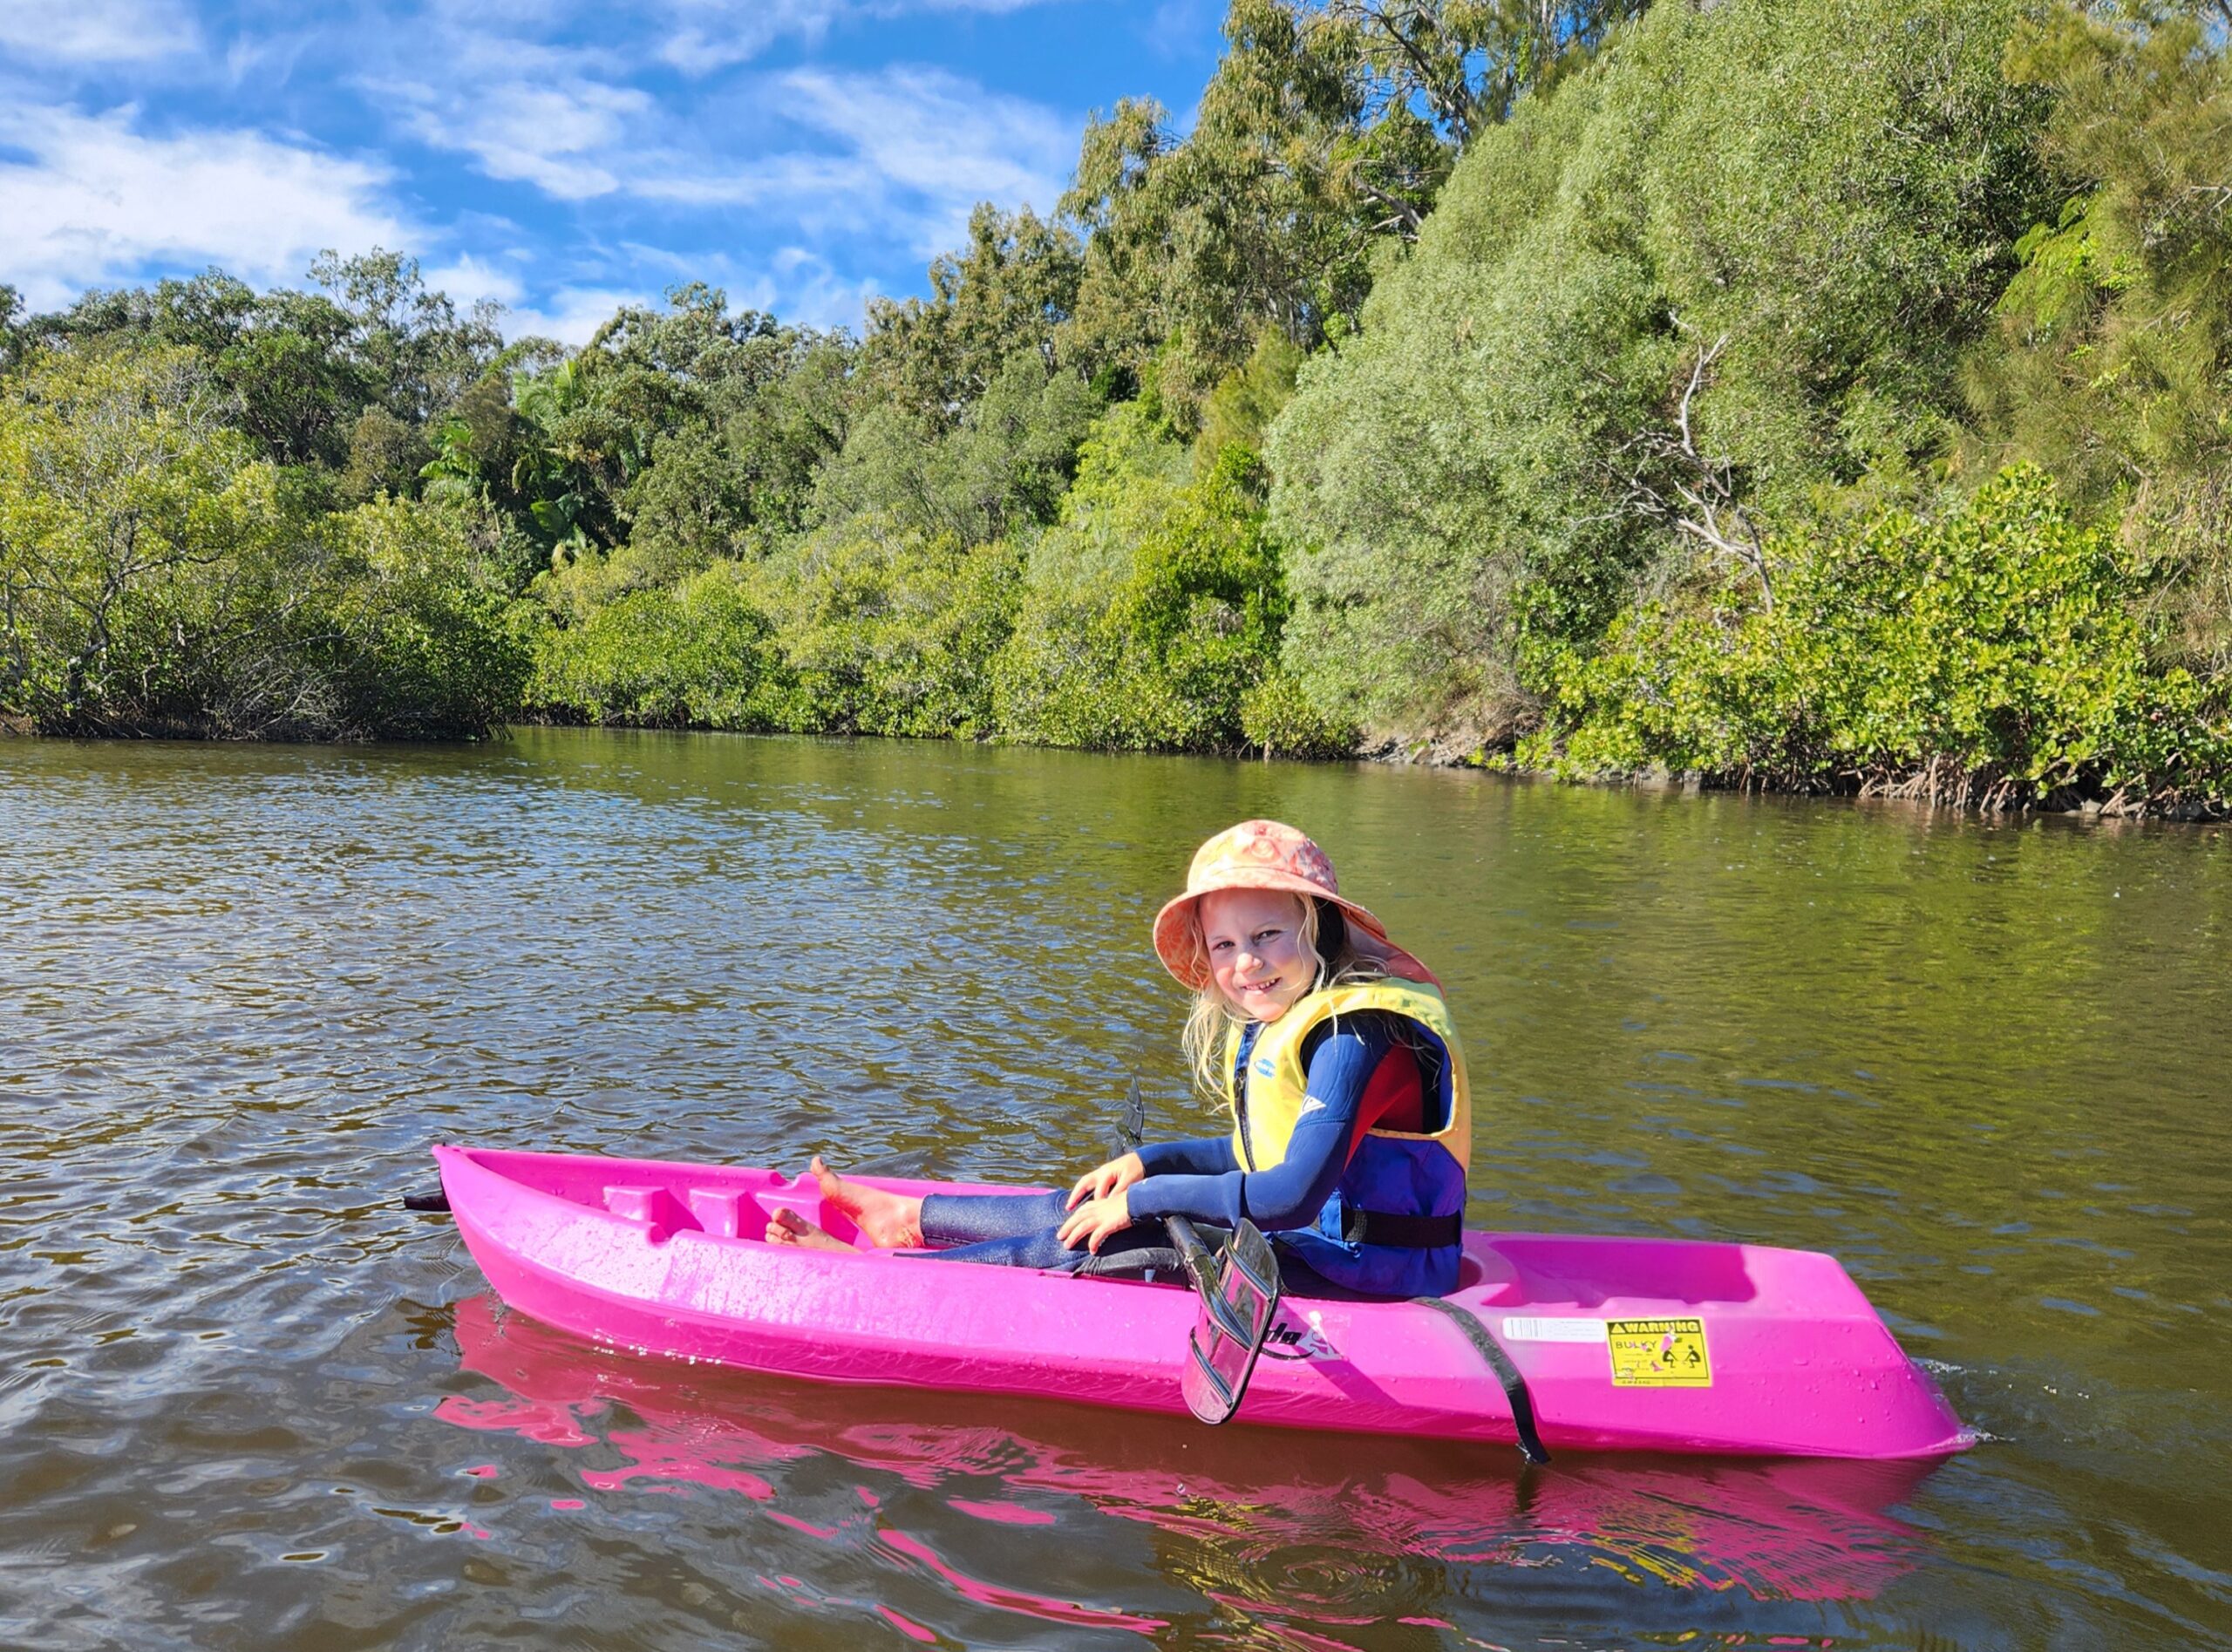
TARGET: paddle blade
(1130,1126)
(1238,1304)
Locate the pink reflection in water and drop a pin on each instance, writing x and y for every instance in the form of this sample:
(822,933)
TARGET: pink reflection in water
(1001,1513)
(1040,1605)
(907,1627)
(1795,1529)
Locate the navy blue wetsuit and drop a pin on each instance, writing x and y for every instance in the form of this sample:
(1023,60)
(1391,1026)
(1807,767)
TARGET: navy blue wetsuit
(1202,1180)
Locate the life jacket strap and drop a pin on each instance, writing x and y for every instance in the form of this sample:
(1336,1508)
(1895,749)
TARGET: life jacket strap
(1403,1233)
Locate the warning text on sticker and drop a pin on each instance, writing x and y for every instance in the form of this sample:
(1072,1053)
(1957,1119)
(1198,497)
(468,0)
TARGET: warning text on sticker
(1658,1353)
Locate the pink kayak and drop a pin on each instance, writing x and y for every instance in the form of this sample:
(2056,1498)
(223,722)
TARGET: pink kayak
(1625,1344)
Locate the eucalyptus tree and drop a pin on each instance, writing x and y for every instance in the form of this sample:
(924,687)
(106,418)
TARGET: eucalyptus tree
(1010,288)
(1327,130)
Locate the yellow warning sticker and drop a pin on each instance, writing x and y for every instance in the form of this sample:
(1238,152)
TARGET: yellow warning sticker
(1658,1353)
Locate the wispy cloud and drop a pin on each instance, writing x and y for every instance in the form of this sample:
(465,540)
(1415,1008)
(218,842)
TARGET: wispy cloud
(572,315)
(702,37)
(698,36)
(96,31)
(937,136)
(557,156)
(95,199)
(558,135)
(470,280)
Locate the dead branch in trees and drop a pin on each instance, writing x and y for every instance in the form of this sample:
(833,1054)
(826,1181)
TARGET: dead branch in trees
(1694,493)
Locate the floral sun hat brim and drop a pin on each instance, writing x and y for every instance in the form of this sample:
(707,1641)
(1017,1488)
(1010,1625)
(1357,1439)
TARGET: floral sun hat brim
(1264,855)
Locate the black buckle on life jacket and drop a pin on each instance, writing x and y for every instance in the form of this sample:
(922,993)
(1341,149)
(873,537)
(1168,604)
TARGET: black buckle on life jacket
(1403,1233)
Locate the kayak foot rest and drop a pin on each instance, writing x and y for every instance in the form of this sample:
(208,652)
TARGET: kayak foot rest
(656,1208)
(723,1213)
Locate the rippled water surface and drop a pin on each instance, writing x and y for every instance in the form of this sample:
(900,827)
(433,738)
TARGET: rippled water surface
(247,1401)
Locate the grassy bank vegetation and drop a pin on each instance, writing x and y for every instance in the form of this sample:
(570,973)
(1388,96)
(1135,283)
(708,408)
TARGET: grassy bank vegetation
(1826,394)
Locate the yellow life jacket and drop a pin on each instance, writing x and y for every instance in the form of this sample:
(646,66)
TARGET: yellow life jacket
(1277,1086)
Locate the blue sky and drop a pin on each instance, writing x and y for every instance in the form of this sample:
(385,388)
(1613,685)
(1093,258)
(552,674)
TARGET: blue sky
(558,156)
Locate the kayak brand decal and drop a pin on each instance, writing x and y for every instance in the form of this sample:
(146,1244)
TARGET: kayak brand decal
(1287,1340)
(1658,1353)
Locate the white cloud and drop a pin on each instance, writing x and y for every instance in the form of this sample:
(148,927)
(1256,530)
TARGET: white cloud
(937,131)
(97,200)
(698,36)
(89,31)
(470,279)
(1179,26)
(551,126)
(571,314)
(911,150)
(900,152)
(943,138)
(632,112)
(806,292)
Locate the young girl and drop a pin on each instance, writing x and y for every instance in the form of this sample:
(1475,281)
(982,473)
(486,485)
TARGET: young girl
(1332,1050)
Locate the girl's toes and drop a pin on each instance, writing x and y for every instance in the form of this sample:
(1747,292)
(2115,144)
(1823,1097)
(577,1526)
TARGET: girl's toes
(786,1228)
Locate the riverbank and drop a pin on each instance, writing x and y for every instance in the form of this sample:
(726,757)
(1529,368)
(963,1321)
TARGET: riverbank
(1939,786)
(1591,456)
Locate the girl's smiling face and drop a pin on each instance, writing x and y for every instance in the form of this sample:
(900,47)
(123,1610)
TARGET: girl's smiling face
(1258,954)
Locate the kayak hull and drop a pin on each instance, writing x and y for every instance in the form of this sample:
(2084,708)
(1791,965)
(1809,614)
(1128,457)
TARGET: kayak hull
(667,1259)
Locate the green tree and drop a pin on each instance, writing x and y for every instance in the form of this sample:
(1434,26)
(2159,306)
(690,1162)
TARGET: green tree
(1645,330)
(1327,130)
(1999,654)
(419,352)
(1151,611)
(1194,247)
(1002,467)
(11,327)
(1009,290)
(701,654)
(138,534)
(1240,409)
(886,630)
(2111,365)
(287,363)
(417,634)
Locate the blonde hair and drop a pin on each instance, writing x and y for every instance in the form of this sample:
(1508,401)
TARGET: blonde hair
(1209,1023)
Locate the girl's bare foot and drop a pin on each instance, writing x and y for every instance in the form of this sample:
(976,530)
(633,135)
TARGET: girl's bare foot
(788,1227)
(892,1222)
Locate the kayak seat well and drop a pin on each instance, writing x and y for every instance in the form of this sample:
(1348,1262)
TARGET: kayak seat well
(1585,1272)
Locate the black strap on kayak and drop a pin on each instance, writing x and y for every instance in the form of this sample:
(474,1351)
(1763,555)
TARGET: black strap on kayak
(1514,1385)
(1406,1233)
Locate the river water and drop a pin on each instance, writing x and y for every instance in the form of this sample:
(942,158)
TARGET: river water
(246,1401)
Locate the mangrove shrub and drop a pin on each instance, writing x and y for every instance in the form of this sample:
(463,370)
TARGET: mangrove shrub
(2000,652)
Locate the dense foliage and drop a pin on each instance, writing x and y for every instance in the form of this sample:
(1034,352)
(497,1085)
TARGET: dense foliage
(1817,393)
(158,574)
(1994,652)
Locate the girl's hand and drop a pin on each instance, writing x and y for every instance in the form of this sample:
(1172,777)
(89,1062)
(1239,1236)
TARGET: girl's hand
(1112,1178)
(1093,1222)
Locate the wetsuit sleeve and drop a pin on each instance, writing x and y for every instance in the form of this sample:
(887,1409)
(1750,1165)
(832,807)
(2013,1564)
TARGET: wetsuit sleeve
(1211,1156)
(1339,1062)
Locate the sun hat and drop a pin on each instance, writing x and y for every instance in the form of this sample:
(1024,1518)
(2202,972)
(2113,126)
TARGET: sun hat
(1263,855)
